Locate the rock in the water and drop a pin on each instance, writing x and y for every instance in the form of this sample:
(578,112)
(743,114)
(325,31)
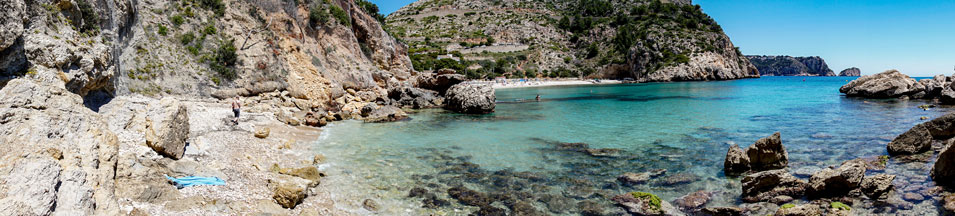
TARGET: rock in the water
(916,140)
(288,195)
(942,127)
(370,205)
(440,82)
(768,153)
(386,114)
(949,205)
(877,186)
(694,201)
(603,152)
(943,172)
(722,211)
(167,127)
(888,84)
(634,178)
(836,182)
(800,210)
(469,197)
(913,197)
(763,186)
(853,71)
(640,203)
(736,162)
(416,98)
(947,96)
(262,133)
(470,99)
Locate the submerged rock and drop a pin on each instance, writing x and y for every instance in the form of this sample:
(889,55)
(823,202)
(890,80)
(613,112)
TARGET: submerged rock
(836,182)
(469,197)
(470,99)
(722,211)
(888,84)
(634,178)
(763,186)
(800,210)
(877,186)
(640,203)
(167,127)
(603,152)
(694,201)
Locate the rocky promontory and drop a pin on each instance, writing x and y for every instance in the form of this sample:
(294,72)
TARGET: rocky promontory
(853,71)
(790,66)
(894,84)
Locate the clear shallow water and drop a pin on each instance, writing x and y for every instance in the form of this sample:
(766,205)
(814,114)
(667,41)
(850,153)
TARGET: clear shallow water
(684,128)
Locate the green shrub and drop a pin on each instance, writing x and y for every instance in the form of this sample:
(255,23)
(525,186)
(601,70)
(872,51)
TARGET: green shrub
(340,15)
(371,9)
(177,20)
(163,30)
(90,18)
(215,6)
(224,60)
(317,15)
(209,30)
(187,38)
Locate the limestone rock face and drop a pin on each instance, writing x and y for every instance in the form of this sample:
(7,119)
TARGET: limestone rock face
(853,71)
(57,153)
(837,182)
(167,127)
(768,153)
(877,186)
(470,99)
(791,66)
(763,186)
(11,22)
(916,140)
(704,66)
(888,84)
(440,82)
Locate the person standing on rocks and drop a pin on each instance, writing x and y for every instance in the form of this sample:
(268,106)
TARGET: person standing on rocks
(236,105)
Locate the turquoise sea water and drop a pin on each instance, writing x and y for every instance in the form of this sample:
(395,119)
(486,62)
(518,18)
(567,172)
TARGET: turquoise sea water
(683,127)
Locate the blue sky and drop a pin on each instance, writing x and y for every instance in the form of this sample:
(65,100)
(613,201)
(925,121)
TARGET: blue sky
(916,37)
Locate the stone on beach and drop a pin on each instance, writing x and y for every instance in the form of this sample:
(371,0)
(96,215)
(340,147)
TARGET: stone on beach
(167,127)
(262,133)
(288,195)
(470,99)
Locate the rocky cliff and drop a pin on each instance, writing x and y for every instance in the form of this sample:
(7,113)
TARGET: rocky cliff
(642,39)
(791,66)
(61,61)
(853,71)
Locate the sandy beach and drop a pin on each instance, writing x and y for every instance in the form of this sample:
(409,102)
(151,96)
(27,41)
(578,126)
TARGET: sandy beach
(544,83)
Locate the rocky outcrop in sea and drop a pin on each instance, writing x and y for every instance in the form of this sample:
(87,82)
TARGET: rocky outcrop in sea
(853,71)
(790,66)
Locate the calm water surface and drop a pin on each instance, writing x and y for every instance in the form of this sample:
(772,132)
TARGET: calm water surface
(683,127)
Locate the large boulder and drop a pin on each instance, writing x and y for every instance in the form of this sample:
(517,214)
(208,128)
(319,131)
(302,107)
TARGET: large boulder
(12,14)
(470,99)
(736,162)
(837,182)
(943,172)
(440,82)
(768,153)
(877,186)
(57,157)
(916,140)
(167,127)
(763,186)
(640,203)
(942,127)
(416,98)
(888,84)
(385,114)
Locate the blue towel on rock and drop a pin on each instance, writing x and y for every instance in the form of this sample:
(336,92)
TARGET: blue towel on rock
(195,180)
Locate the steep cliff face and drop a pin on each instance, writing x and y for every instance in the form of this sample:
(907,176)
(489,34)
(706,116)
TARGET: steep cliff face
(642,39)
(853,71)
(61,60)
(791,66)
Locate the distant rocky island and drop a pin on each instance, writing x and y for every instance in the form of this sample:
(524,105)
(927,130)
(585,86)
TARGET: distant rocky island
(790,66)
(853,71)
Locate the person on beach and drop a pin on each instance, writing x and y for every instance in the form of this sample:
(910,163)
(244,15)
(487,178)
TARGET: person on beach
(235,109)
